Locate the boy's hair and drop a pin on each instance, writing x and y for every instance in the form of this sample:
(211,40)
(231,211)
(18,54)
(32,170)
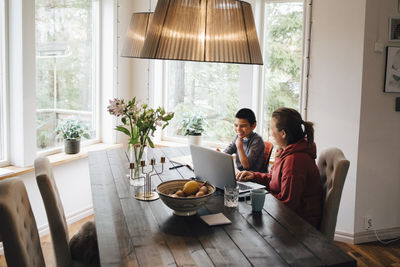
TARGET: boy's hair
(247,114)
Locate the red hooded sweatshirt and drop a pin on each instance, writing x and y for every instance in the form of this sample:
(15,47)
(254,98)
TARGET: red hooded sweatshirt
(294,179)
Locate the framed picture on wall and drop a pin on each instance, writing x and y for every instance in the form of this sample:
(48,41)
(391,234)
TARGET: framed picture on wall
(394,29)
(392,74)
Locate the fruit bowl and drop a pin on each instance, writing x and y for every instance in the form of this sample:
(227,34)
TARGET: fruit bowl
(182,206)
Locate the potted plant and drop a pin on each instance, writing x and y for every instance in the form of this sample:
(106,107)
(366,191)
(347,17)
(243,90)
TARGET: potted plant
(72,131)
(193,126)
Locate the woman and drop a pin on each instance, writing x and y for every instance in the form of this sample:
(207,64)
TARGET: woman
(294,178)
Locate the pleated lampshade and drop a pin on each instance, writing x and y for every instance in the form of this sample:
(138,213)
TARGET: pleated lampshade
(203,30)
(136,34)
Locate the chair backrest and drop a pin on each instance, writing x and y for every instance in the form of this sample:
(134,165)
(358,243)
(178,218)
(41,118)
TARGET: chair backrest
(18,226)
(267,153)
(54,210)
(333,167)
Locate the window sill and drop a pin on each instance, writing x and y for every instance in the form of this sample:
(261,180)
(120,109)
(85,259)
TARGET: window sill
(163,143)
(56,159)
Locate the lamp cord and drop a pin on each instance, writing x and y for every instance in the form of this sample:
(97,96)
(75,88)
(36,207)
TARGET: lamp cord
(148,70)
(385,242)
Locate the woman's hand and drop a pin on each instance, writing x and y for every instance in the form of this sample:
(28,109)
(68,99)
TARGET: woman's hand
(244,176)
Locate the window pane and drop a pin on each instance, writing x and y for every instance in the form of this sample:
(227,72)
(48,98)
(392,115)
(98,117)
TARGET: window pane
(282,58)
(65,72)
(210,89)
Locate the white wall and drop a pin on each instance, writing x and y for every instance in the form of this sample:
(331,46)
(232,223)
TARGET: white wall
(337,38)
(139,82)
(73,184)
(352,112)
(378,180)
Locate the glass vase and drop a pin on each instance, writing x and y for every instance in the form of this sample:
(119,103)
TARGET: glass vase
(137,153)
(139,173)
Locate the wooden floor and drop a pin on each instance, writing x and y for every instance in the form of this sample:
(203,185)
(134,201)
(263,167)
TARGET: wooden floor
(374,253)
(369,254)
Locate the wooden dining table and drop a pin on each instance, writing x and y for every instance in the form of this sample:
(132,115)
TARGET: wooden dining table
(146,233)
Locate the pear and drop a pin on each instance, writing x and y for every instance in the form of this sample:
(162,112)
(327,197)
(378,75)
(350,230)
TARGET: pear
(180,193)
(191,187)
(200,194)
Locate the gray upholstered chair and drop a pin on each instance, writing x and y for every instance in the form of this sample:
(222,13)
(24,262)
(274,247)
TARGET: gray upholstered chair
(83,246)
(18,226)
(333,167)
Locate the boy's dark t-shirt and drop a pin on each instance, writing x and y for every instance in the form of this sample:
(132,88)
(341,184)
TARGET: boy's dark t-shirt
(254,148)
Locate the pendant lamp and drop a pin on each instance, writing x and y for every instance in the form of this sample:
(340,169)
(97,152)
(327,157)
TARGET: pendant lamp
(136,34)
(203,30)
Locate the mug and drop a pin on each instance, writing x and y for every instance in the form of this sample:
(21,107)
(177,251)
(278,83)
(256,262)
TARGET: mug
(257,197)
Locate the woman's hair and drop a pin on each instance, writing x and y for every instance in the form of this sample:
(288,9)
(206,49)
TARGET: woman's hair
(290,120)
(247,114)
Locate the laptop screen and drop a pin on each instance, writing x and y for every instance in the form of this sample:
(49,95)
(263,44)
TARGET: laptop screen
(215,167)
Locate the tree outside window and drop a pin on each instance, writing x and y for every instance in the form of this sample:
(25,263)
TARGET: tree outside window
(65,70)
(282,58)
(210,89)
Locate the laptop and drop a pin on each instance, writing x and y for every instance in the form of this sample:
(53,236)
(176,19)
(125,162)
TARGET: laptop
(217,168)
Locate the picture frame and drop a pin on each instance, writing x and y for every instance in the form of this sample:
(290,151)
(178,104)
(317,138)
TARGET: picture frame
(392,73)
(394,29)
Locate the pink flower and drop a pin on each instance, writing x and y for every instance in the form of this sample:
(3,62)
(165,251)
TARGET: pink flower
(116,107)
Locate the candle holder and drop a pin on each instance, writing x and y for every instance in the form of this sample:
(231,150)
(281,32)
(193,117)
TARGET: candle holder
(144,189)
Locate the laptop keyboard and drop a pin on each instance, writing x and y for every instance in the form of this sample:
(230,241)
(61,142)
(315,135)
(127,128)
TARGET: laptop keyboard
(244,187)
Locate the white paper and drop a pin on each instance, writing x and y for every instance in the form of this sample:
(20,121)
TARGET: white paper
(215,219)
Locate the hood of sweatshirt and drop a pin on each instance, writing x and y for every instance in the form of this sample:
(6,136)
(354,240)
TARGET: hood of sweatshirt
(301,146)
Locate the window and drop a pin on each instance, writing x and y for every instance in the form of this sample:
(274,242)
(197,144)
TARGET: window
(213,89)
(283,34)
(3,87)
(66,66)
(210,89)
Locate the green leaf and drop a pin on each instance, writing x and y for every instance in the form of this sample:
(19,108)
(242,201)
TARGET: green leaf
(150,142)
(134,140)
(165,125)
(124,130)
(135,132)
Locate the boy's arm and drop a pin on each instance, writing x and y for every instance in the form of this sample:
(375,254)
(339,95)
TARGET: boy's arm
(231,148)
(256,151)
(242,154)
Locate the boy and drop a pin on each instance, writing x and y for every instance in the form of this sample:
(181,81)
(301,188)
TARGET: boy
(248,145)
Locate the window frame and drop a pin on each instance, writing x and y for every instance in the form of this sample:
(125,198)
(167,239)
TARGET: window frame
(96,54)
(304,58)
(4,83)
(254,74)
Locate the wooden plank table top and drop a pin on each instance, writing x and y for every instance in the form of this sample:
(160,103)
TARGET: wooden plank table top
(137,233)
